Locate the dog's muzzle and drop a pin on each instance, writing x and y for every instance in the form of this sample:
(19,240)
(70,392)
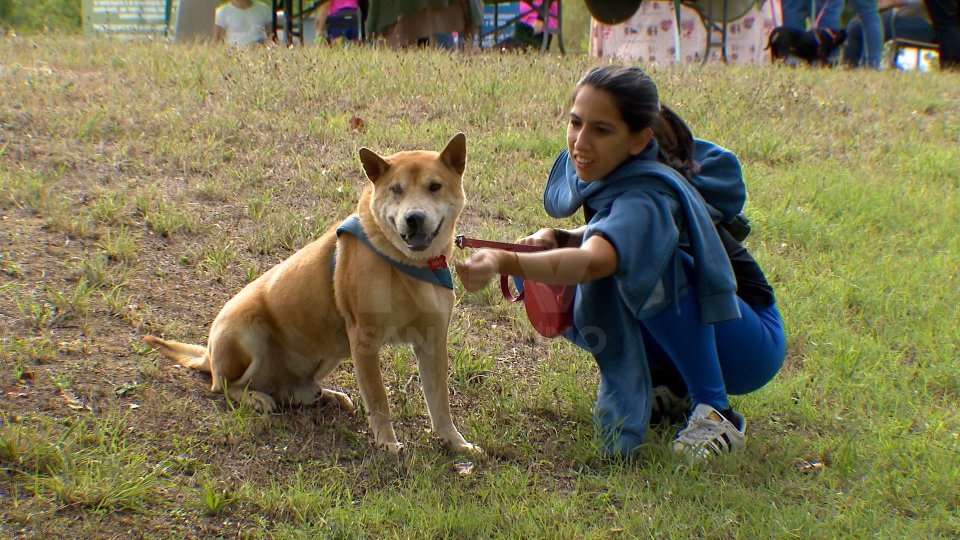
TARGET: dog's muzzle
(414,232)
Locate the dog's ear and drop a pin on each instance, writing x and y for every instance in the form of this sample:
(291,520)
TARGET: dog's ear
(774,37)
(374,165)
(455,154)
(841,36)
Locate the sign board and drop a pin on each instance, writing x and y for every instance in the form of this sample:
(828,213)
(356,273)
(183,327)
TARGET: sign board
(127,17)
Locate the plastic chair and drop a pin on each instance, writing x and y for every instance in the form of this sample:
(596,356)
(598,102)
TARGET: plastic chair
(507,28)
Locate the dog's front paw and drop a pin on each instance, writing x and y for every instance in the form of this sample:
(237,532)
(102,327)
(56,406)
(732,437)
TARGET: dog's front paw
(464,448)
(394,448)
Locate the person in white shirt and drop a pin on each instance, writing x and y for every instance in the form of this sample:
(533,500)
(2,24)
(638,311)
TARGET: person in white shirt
(243,22)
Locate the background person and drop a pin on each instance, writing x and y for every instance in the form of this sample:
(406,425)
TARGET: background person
(871,31)
(660,287)
(528,30)
(338,19)
(911,23)
(796,14)
(242,23)
(945,15)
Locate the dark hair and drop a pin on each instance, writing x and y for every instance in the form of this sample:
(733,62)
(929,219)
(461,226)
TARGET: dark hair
(639,104)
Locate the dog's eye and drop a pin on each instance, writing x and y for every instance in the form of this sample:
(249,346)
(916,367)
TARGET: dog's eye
(435,186)
(396,189)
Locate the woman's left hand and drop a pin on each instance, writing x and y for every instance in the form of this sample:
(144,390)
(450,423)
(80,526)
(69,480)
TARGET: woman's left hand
(478,269)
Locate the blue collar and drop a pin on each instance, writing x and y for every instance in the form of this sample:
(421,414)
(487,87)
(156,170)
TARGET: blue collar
(436,271)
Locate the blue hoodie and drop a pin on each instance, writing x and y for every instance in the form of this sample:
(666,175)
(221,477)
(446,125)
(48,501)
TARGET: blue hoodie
(648,211)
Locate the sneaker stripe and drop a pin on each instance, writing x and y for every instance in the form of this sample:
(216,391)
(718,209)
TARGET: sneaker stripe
(727,444)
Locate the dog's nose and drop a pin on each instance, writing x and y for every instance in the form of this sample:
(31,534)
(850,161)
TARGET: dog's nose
(415,222)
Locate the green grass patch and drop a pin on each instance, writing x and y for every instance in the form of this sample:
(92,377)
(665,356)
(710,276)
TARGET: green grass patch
(143,183)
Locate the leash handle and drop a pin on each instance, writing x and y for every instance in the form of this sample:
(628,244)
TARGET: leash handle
(462,242)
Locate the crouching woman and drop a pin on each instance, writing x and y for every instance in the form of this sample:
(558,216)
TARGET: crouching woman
(674,310)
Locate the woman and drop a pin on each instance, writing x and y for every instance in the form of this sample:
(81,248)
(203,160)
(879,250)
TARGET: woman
(661,289)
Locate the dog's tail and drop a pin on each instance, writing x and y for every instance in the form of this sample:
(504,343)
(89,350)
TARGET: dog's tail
(191,356)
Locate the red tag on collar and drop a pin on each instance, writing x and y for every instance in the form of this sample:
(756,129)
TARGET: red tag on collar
(437,263)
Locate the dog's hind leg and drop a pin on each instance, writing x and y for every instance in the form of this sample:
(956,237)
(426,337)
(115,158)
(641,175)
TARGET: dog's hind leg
(259,401)
(232,352)
(310,393)
(327,395)
(308,390)
(432,363)
(241,392)
(338,399)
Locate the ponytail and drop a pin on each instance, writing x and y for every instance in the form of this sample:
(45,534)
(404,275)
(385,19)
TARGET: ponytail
(676,142)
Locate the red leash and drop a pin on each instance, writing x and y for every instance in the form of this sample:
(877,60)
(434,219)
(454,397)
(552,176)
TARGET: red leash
(549,308)
(462,242)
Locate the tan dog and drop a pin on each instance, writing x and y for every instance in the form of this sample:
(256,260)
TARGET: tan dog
(280,336)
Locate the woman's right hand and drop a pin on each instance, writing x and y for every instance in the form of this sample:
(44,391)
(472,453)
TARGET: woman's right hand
(545,238)
(478,269)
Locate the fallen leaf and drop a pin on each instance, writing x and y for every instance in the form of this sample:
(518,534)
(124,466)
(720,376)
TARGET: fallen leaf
(126,388)
(811,468)
(464,468)
(72,400)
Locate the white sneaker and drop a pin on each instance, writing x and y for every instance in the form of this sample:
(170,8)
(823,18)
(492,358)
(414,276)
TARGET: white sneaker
(709,433)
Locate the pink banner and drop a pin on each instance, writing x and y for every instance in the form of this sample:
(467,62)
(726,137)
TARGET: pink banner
(649,35)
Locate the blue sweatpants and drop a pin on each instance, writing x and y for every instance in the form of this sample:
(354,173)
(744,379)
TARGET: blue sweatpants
(713,360)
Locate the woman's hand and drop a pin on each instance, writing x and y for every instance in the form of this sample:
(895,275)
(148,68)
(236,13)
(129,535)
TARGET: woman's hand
(478,269)
(546,238)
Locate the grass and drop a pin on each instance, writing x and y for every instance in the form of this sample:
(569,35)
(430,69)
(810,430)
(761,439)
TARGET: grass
(142,184)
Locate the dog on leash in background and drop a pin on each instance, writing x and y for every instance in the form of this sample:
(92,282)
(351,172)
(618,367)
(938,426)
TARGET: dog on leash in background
(813,46)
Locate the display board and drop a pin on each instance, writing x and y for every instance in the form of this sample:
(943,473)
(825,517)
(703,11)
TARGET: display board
(649,35)
(127,17)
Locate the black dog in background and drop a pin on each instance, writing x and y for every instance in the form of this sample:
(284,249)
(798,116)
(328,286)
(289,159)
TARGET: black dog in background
(814,46)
